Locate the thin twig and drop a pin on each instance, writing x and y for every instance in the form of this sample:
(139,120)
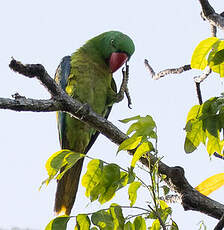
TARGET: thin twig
(198,90)
(207,71)
(133,216)
(165,72)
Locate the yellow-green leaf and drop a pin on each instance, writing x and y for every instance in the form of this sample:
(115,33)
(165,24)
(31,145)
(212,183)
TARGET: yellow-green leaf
(110,182)
(218,58)
(58,223)
(130,143)
(198,60)
(139,223)
(70,160)
(56,161)
(142,149)
(83,222)
(155,225)
(117,215)
(214,144)
(129,226)
(132,191)
(215,58)
(93,176)
(103,220)
(211,184)
(163,204)
(130,119)
(195,136)
(194,112)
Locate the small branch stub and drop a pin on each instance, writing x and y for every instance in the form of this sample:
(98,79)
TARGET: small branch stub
(32,70)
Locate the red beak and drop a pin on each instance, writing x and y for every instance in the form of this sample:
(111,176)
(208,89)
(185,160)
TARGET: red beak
(117,60)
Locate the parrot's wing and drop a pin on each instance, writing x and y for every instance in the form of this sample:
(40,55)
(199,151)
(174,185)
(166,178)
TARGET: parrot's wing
(107,112)
(61,77)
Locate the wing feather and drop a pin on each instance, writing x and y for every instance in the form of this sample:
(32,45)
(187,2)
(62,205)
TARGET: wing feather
(61,77)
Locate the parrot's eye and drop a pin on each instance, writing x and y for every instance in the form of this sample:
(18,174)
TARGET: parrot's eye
(112,43)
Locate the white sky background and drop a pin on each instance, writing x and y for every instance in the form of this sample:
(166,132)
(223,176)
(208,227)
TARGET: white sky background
(165,32)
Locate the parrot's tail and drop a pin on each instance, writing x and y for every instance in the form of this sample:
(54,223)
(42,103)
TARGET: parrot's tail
(67,188)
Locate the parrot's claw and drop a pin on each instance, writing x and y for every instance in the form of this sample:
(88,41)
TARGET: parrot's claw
(124,86)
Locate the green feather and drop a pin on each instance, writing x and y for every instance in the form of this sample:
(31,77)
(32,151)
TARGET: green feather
(88,80)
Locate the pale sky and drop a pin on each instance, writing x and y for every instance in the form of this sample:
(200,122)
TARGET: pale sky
(164,32)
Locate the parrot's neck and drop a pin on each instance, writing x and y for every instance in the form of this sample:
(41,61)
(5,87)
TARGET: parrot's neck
(93,54)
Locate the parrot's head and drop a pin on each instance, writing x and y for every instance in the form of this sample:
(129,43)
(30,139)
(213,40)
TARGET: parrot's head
(115,48)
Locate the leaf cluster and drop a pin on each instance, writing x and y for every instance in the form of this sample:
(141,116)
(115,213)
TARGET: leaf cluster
(205,124)
(103,180)
(209,52)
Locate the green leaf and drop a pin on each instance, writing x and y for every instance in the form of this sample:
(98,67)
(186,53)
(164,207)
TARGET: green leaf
(218,69)
(166,189)
(194,112)
(143,127)
(155,225)
(63,158)
(130,143)
(139,223)
(129,226)
(152,215)
(218,58)
(163,204)
(93,176)
(204,124)
(130,119)
(198,60)
(126,178)
(214,144)
(141,150)
(83,222)
(58,223)
(215,58)
(132,191)
(103,220)
(56,161)
(70,160)
(109,183)
(165,213)
(117,215)
(174,226)
(195,136)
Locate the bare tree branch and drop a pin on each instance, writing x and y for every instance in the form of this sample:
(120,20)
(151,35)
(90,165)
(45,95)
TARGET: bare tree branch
(190,198)
(27,104)
(165,72)
(211,16)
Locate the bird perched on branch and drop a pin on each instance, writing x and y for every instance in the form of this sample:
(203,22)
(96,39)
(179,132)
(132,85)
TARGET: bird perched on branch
(86,75)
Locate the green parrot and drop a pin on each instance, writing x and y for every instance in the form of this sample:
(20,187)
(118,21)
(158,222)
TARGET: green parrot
(86,75)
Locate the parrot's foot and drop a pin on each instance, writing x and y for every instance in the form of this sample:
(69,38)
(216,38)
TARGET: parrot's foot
(124,87)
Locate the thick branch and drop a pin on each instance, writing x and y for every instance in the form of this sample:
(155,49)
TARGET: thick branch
(26,104)
(210,15)
(191,199)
